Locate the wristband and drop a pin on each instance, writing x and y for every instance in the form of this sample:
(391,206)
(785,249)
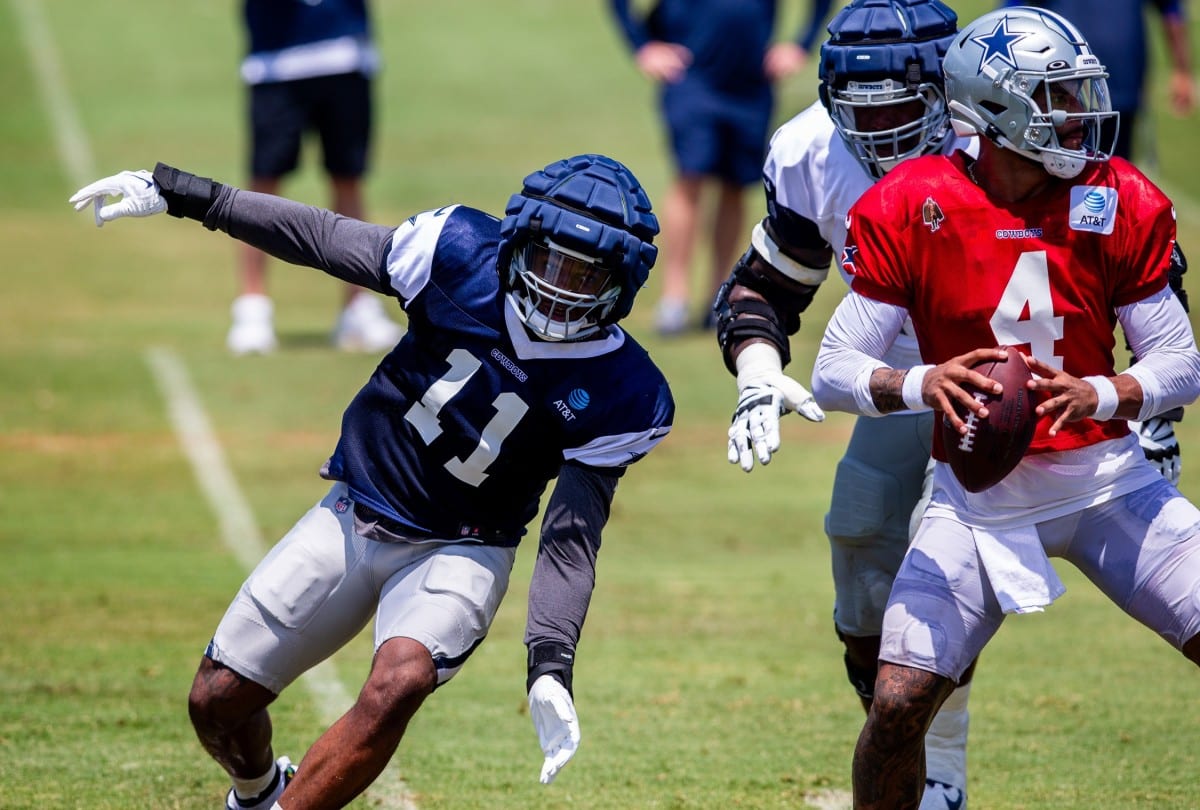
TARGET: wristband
(553,659)
(756,363)
(186,194)
(1107,394)
(910,392)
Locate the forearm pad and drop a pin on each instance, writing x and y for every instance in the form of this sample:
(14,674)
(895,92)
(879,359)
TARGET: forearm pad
(771,320)
(186,194)
(555,660)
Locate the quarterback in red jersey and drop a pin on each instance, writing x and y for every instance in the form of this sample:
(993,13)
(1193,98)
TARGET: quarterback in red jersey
(1045,244)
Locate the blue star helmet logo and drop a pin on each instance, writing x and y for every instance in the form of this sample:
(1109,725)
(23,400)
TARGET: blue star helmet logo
(997,44)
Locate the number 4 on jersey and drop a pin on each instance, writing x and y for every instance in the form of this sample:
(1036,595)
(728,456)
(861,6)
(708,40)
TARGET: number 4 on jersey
(1028,294)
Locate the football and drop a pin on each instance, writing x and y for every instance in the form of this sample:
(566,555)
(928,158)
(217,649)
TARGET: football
(992,447)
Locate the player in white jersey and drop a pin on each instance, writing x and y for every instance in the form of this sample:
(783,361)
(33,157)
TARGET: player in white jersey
(513,372)
(881,103)
(1044,244)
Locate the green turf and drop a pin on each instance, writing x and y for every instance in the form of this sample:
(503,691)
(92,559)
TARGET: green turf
(709,676)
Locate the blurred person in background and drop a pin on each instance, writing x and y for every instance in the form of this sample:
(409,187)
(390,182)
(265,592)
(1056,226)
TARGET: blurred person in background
(1117,33)
(715,65)
(309,70)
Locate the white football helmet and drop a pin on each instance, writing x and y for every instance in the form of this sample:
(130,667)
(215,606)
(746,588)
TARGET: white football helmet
(1025,79)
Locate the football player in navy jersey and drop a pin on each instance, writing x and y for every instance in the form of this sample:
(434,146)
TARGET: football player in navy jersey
(513,372)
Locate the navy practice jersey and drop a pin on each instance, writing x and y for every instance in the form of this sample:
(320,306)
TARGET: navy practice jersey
(463,424)
(290,40)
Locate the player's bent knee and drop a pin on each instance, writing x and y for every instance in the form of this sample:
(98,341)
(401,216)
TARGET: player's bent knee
(221,697)
(907,698)
(402,676)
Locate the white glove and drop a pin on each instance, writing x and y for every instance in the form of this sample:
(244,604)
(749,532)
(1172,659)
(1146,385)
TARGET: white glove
(557,725)
(138,192)
(1157,437)
(765,394)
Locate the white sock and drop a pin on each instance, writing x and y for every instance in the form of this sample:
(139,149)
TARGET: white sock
(946,741)
(250,789)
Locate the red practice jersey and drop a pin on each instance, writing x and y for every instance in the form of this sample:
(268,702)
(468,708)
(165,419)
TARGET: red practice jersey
(1044,275)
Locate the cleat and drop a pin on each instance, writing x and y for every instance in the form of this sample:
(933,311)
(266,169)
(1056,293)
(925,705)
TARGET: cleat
(671,317)
(284,771)
(940,796)
(253,330)
(363,326)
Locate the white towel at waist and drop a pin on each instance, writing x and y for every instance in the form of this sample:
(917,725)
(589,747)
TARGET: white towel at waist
(1017,566)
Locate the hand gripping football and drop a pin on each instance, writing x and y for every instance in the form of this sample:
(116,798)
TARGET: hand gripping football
(992,447)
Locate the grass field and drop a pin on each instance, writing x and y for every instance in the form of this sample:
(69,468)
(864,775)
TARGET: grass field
(709,675)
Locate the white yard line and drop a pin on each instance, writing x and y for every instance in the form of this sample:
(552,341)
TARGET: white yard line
(238,527)
(240,532)
(74,149)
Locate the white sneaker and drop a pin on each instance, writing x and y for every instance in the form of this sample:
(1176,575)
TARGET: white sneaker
(940,796)
(671,317)
(363,326)
(285,770)
(253,330)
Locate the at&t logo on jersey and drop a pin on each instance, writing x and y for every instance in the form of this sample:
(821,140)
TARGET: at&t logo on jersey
(577,400)
(1093,208)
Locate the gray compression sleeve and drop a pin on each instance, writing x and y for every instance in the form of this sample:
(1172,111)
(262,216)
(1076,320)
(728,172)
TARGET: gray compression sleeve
(346,248)
(565,570)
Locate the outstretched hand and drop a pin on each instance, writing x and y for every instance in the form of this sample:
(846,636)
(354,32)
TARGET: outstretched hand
(556,723)
(754,429)
(137,190)
(765,394)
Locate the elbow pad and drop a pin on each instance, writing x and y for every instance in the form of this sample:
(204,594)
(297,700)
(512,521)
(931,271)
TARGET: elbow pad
(749,318)
(186,194)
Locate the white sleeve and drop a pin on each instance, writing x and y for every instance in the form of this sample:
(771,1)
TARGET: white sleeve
(410,259)
(859,333)
(1168,364)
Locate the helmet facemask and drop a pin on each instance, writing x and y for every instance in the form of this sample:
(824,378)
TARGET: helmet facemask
(560,294)
(576,244)
(1066,129)
(858,108)
(881,79)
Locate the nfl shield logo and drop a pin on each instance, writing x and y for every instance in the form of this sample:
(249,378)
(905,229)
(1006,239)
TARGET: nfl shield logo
(342,505)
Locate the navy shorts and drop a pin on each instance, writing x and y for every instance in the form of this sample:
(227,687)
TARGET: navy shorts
(717,136)
(337,108)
